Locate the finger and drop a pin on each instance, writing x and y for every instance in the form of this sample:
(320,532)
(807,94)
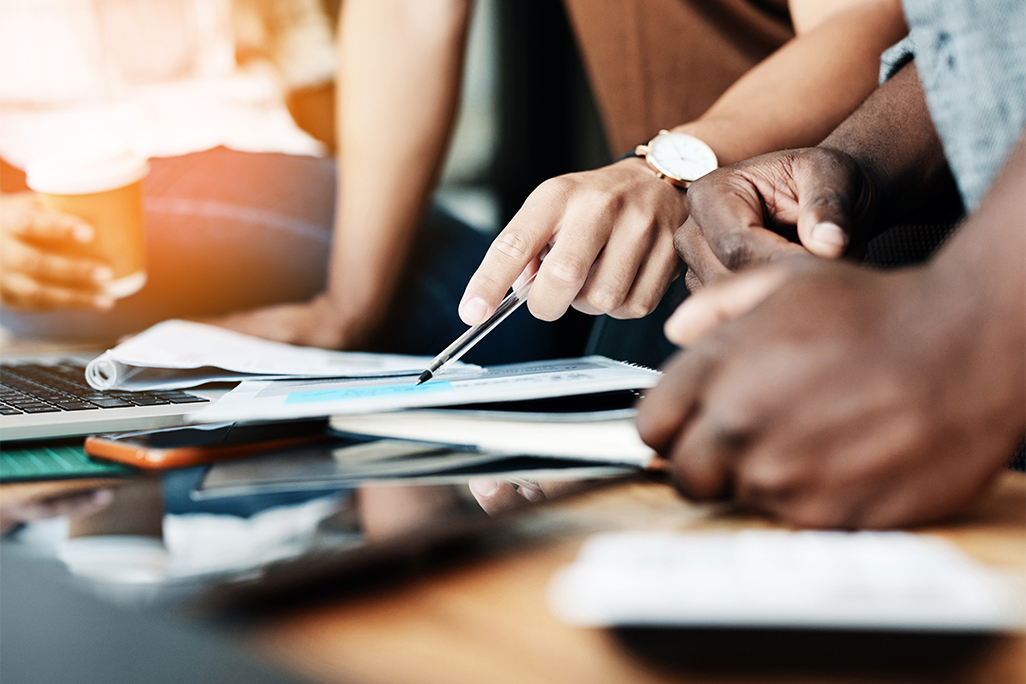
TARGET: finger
(572,260)
(77,505)
(617,266)
(513,249)
(828,188)
(651,282)
(699,467)
(664,410)
(20,291)
(731,215)
(84,273)
(26,217)
(705,311)
(496,496)
(694,250)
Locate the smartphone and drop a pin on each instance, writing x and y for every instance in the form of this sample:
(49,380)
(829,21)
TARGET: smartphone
(190,445)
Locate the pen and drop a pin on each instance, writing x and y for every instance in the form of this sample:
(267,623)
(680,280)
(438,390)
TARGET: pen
(475,334)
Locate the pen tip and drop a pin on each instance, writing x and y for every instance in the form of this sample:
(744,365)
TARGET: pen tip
(424,377)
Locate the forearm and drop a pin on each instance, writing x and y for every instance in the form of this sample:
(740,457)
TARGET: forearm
(981,275)
(400,71)
(799,94)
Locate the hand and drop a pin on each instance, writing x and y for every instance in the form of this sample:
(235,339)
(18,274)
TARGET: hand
(609,236)
(848,398)
(750,213)
(317,323)
(75,505)
(498,496)
(39,267)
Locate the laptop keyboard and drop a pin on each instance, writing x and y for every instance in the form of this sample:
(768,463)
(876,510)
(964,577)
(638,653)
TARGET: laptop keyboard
(27,388)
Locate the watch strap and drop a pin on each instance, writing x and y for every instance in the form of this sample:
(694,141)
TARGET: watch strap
(632,154)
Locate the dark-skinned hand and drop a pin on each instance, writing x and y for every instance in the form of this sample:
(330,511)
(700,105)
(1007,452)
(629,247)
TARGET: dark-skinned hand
(776,205)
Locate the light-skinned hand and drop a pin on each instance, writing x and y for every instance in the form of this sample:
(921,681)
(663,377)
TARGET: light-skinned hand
(607,240)
(498,495)
(316,323)
(76,505)
(39,267)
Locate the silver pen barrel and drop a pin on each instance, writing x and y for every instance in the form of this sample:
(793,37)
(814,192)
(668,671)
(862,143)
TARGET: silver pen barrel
(473,335)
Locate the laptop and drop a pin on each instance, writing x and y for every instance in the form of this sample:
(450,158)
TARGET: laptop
(46,396)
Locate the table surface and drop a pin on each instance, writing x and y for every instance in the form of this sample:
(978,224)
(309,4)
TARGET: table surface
(487,620)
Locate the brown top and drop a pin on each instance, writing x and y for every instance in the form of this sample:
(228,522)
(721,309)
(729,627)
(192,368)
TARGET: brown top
(672,58)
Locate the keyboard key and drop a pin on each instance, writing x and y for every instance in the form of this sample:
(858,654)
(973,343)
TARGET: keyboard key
(9,411)
(186,399)
(71,405)
(108,402)
(146,401)
(45,408)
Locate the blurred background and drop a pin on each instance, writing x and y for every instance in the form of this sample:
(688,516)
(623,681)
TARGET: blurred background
(527,111)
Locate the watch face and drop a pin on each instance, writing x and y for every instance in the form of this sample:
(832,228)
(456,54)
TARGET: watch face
(681,157)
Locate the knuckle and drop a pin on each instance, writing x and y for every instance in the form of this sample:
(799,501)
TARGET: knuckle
(557,189)
(634,308)
(828,201)
(704,190)
(568,269)
(603,200)
(733,250)
(684,241)
(604,299)
(514,245)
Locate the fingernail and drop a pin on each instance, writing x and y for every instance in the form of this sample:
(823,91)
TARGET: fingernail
(474,310)
(102,274)
(83,233)
(532,494)
(103,302)
(103,496)
(829,235)
(484,486)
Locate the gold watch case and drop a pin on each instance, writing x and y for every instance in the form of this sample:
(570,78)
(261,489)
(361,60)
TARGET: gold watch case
(678,158)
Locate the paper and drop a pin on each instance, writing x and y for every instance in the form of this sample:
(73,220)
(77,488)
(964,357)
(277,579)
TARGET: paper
(780,579)
(615,441)
(304,399)
(176,354)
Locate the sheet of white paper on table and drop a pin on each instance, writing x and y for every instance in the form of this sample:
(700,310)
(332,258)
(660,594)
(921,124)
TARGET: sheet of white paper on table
(283,400)
(221,354)
(781,579)
(615,441)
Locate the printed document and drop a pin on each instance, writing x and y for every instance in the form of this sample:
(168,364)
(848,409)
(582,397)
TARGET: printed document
(288,399)
(176,354)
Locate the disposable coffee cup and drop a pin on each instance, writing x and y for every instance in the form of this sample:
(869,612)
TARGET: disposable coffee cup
(102,184)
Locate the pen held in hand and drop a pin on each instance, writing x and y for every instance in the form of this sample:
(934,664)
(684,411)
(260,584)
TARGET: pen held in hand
(467,340)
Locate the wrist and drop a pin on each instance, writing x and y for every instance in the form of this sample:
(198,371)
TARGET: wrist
(351,316)
(717,136)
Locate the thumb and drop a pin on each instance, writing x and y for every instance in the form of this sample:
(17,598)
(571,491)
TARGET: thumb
(727,299)
(828,187)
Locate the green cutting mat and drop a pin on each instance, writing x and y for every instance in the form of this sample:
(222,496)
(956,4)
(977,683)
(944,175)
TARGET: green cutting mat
(53,462)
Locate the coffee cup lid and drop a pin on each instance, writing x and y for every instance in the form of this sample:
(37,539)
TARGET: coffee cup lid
(95,167)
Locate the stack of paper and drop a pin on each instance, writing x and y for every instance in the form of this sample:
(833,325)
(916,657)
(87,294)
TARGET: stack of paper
(176,354)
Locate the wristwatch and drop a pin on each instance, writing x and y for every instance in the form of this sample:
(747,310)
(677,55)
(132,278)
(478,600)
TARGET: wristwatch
(678,157)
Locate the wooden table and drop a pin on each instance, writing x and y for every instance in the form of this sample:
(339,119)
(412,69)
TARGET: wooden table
(487,621)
